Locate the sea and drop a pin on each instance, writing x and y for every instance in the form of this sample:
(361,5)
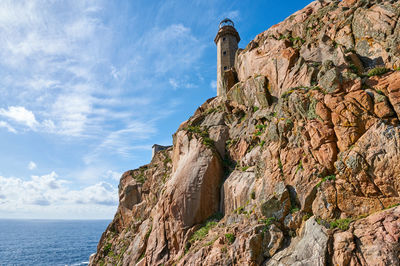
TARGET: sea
(49,242)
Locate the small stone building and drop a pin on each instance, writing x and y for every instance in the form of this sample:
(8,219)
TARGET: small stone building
(157,148)
(227,40)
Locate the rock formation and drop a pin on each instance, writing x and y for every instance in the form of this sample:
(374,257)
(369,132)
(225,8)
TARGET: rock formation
(299,164)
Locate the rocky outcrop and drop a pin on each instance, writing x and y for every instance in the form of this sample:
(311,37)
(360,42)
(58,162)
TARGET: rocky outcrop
(298,164)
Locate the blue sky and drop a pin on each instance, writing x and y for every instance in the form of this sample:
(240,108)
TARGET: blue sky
(87,87)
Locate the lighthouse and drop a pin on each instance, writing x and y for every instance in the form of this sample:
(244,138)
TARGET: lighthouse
(227,40)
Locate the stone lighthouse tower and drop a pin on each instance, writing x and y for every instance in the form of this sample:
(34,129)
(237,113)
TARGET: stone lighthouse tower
(227,40)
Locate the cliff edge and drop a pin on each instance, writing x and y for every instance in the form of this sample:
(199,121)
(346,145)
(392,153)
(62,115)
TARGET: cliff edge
(298,165)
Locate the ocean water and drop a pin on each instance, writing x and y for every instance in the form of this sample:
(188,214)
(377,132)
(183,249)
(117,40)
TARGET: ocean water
(49,242)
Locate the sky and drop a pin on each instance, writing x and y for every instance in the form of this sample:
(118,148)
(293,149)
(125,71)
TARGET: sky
(87,87)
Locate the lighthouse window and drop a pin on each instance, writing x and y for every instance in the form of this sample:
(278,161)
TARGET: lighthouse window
(225,67)
(224,52)
(223,39)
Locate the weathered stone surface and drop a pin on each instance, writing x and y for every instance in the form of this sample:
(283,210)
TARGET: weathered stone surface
(194,185)
(306,134)
(237,190)
(370,241)
(252,92)
(308,249)
(278,205)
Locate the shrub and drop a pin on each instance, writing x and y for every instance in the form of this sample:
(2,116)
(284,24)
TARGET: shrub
(262,143)
(230,237)
(261,127)
(329,177)
(253,195)
(268,222)
(306,216)
(239,210)
(280,164)
(208,142)
(293,210)
(203,134)
(244,168)
(393,205)
(299,166)
(377,71)
(255,108)
(202,232)
(342,224)
(353,68)
(107,249)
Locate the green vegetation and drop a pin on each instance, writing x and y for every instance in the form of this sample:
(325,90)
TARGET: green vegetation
(299,166)
(149,232)
(107,249)
(342,224)
(255,108)
(259,129)
(329,177)
(228,143)
(262,143)
(280,164)
(392,206)
(230,237)
(141,256)
(297,39)
(203,134)
(209,243)
(267,222)
(139,177)
(289,123)
(243,118)
(311,114)
(294,210)
(167,160)
(244,168)
(211,110)
(253,195)
(306,216)
(353,68)
(240,210)
(287,93)
(377,71)
(202,232)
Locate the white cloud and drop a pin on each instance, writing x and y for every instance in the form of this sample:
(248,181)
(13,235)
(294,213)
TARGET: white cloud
(71,112)
(113,175)
(32,165)
(20,115)
(116,141)
(234,14)
(173,83)
(213,84)
(7,126)
(38,83)
(173,48)
(49,190)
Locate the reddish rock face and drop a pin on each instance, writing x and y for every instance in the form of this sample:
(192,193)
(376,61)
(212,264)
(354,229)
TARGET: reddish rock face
(299,163)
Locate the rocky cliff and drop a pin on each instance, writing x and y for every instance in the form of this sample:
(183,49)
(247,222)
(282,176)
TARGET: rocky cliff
(298,165)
